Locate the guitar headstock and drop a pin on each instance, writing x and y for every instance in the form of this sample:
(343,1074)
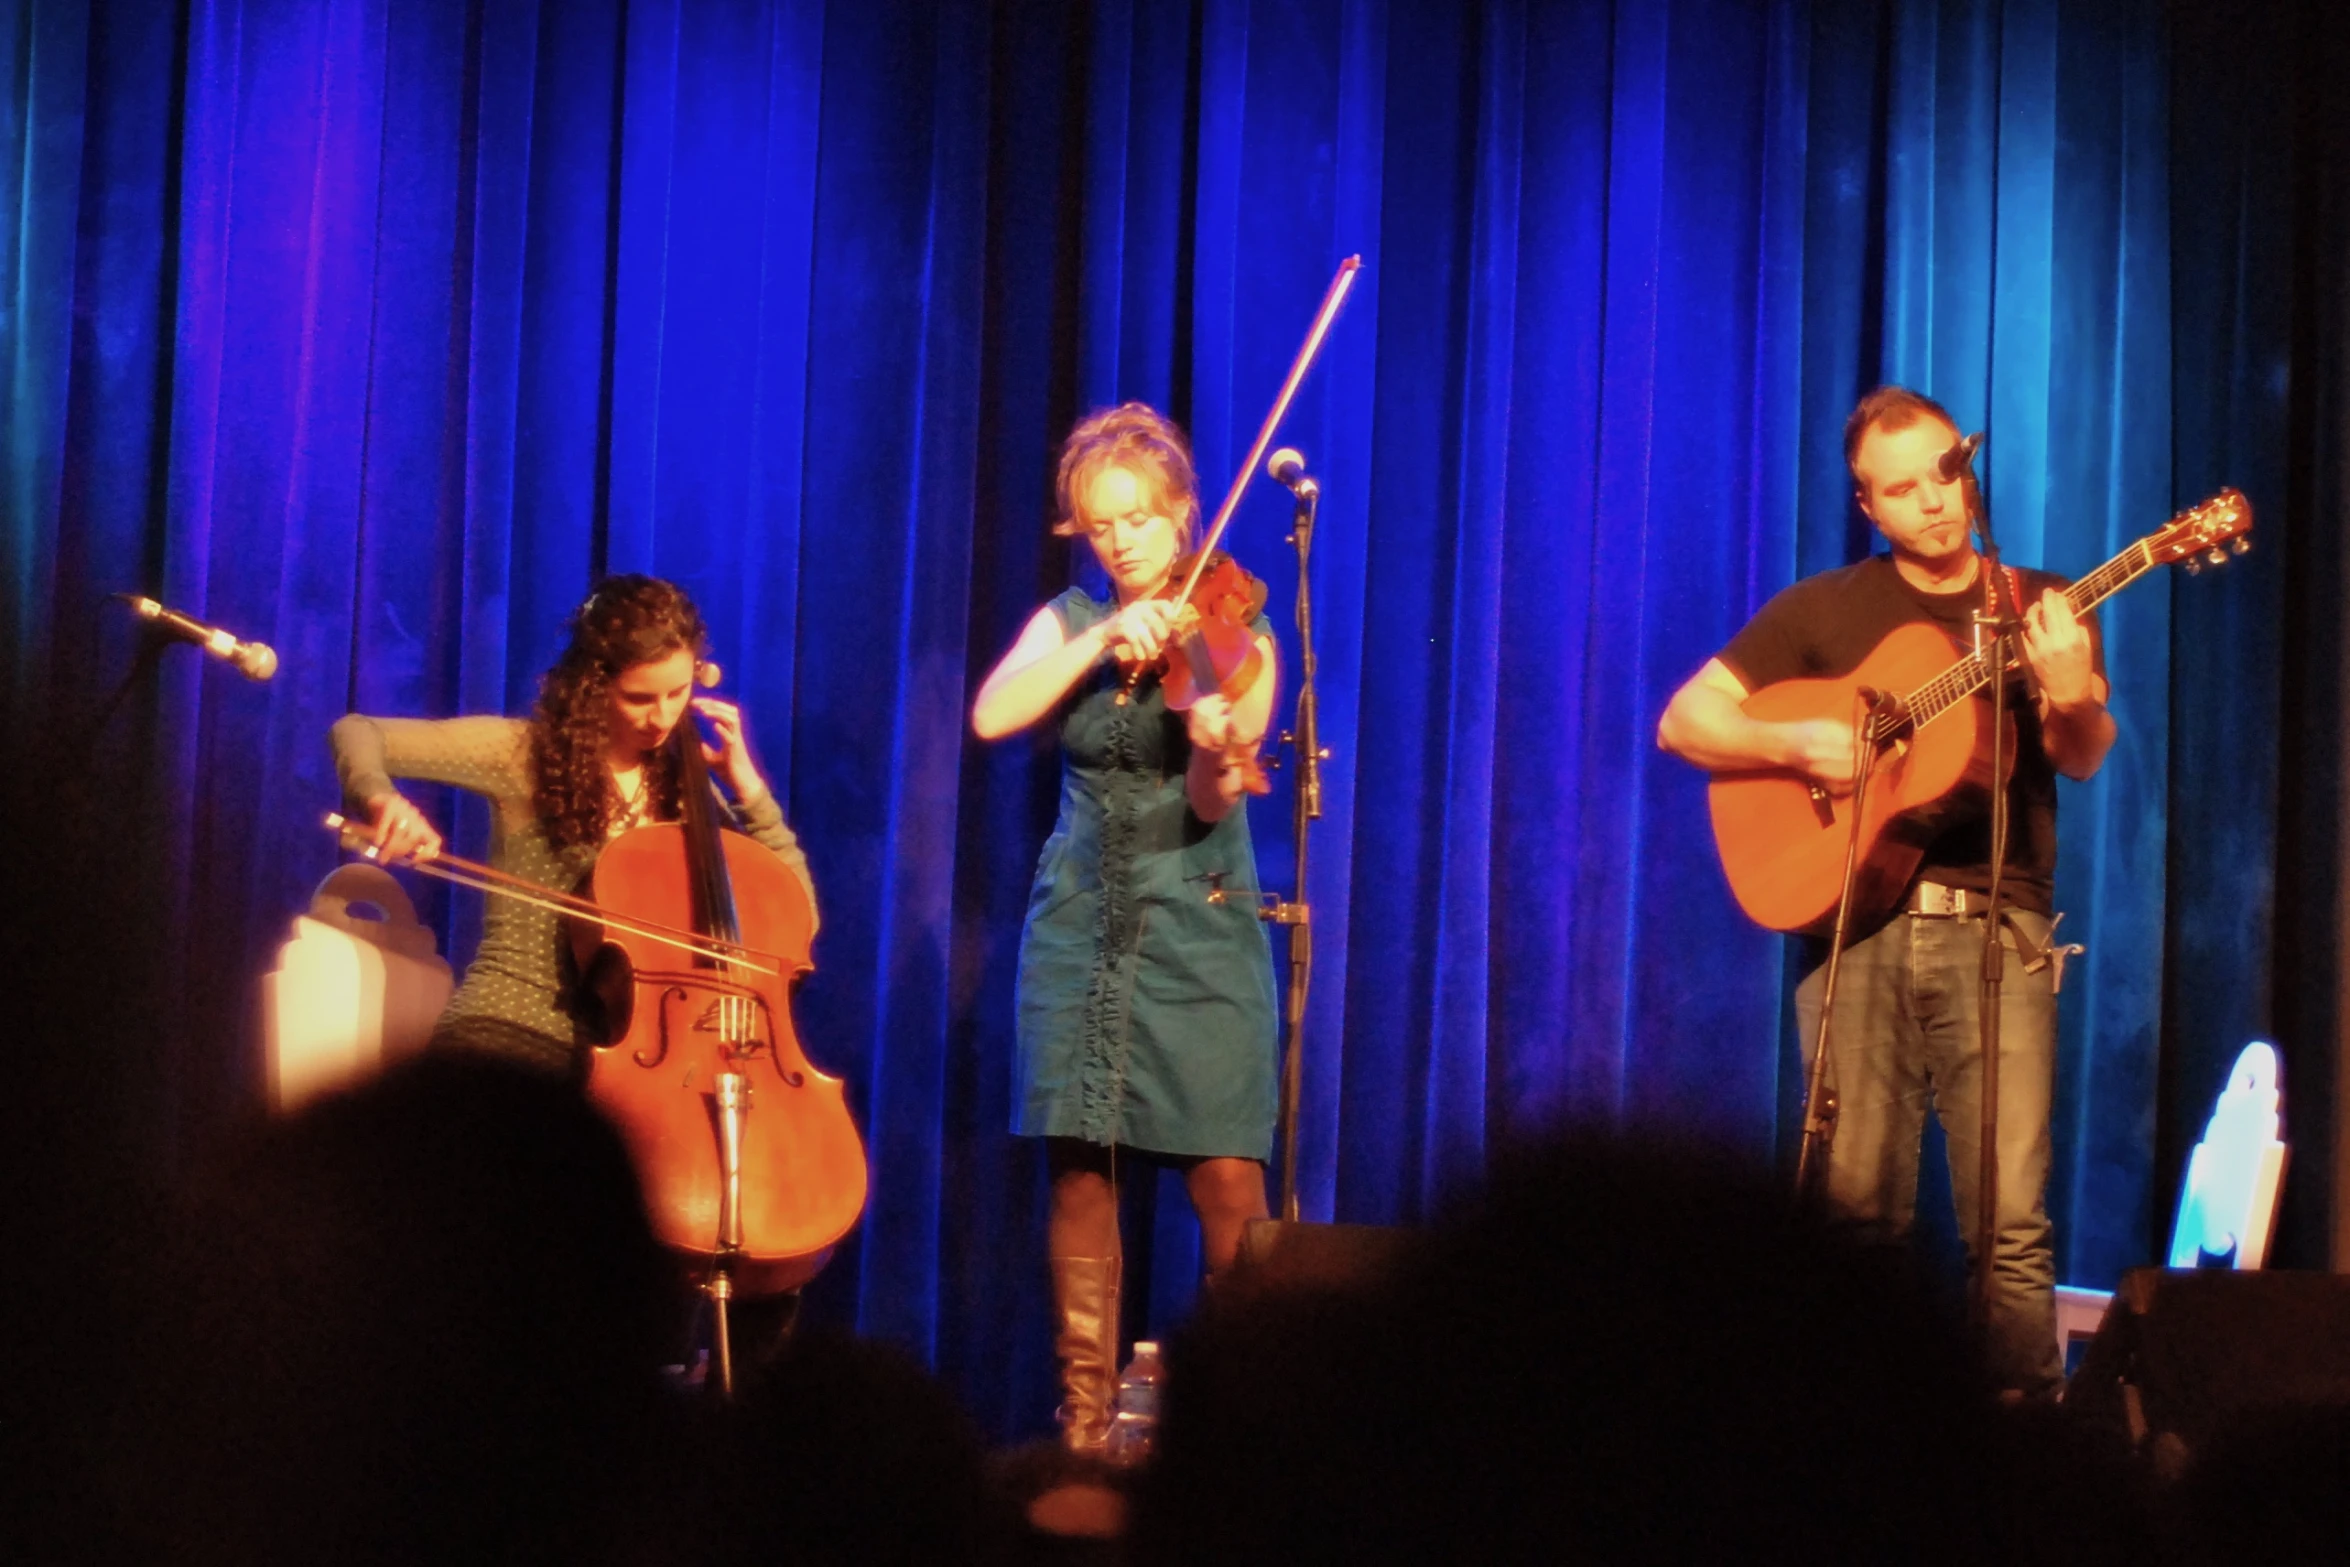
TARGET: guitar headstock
(2199,533)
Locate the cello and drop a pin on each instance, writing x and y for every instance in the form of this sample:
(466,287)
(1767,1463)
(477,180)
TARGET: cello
(751,1164)
(687,944)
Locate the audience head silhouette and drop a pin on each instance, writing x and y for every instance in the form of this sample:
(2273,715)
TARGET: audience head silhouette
(418,1321)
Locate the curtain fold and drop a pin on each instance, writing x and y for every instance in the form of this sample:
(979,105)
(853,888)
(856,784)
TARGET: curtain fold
(377,331)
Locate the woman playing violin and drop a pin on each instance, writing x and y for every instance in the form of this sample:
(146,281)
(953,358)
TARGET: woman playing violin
(591,762)
(1145,995)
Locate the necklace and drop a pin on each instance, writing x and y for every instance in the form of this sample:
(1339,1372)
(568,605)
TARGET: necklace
(633,802)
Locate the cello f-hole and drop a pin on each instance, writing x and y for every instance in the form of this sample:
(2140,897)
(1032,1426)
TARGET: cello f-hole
(792,1076)
(673,993)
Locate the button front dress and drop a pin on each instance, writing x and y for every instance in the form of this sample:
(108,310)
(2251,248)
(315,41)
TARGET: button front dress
(1145,1011)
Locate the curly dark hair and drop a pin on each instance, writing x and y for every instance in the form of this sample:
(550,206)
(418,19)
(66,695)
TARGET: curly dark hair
(627,621)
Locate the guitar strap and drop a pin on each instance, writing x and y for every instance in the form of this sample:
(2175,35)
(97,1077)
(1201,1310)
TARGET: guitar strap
(2015,591)
(2015,596)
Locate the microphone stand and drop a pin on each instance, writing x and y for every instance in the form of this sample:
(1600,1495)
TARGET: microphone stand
(2003,620)
(142,669)
(1819,1094)
(1305,738)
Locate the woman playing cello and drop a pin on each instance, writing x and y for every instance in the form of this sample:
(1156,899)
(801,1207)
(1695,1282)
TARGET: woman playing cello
(1145,1010)
(590,763)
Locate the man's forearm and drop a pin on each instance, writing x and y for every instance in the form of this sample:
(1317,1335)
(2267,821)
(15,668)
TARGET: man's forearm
(1710,727)
(2076,738)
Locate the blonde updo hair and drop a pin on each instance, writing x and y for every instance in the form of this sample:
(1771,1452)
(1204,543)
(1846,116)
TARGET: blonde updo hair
(1145,442)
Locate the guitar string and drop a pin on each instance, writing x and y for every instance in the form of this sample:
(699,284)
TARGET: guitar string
(1971,673)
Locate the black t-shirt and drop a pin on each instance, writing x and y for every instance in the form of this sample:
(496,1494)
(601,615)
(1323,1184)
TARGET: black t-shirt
(1824,626)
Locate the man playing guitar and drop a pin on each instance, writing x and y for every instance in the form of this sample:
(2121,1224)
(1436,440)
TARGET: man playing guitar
(1906,1031)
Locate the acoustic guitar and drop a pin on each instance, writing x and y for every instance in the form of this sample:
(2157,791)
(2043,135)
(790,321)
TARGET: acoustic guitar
(1782,837)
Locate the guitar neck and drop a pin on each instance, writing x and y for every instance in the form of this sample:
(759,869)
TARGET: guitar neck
(1971,673)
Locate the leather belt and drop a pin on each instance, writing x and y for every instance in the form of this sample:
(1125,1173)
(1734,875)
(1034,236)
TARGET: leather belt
(1931,900)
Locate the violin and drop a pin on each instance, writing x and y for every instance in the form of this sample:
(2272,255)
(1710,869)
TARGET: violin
(1214,650)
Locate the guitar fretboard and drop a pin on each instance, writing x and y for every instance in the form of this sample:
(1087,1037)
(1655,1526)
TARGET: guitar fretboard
(1971,673)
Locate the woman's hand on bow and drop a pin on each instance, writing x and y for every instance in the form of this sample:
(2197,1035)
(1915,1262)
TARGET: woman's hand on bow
(400,830)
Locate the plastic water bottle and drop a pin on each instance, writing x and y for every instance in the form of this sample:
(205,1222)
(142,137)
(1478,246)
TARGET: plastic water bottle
(1136,1429)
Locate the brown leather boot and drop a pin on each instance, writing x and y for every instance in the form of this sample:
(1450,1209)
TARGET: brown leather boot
(1085,1306)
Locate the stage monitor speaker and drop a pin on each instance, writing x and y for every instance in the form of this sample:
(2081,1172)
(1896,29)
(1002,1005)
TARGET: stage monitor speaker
(1277,1253)
(2182,1354)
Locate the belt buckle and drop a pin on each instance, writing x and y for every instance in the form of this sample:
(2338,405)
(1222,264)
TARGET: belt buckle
(1935,901)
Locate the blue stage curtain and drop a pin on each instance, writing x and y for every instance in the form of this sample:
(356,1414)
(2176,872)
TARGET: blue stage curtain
(377,331)
(2260,225)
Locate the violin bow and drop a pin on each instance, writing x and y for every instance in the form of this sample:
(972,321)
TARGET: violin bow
(1332,298)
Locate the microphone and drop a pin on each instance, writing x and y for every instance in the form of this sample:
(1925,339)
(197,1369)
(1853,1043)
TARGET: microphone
(254,660)
(1288,466)
(1959,459)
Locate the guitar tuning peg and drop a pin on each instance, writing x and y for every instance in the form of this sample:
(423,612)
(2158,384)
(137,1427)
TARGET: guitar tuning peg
(2193,565)
(2217,556)
(2241,545)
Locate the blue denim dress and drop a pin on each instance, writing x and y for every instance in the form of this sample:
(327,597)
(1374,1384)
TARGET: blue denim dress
(1145,1012)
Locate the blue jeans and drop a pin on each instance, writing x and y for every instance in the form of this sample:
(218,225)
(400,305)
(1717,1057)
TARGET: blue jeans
(1907,1038)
